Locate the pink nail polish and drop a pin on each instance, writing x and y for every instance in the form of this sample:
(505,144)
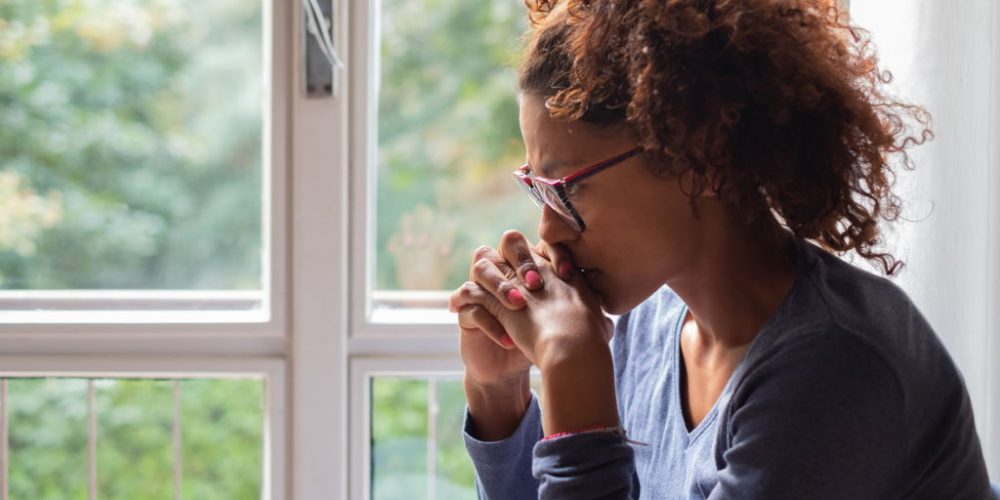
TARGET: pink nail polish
(515,297)
(565,269)
(507,341)
(533,279)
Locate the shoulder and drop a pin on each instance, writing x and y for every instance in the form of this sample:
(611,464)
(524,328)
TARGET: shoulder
(875,313)
(821,369)
(820,413)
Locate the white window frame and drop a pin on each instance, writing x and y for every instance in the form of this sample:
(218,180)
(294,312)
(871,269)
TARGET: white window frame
(427,330)
(416,342)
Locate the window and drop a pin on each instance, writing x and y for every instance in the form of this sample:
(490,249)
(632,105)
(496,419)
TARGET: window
(143,263)
(445,139)
(133,138)
(243,239)
(435,137)
(113,438)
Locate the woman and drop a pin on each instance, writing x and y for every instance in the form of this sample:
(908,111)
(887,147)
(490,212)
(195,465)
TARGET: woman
(697,162)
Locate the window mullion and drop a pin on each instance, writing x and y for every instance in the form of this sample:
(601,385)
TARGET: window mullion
(319,263)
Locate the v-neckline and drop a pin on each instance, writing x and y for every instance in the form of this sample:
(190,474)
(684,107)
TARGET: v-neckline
(801,255)
(692,433)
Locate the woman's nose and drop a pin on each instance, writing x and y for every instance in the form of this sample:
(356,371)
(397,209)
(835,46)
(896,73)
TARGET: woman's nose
(554,229)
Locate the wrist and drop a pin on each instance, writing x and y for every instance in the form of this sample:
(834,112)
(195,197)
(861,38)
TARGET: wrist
(565,352)
(496,409)
(578,387)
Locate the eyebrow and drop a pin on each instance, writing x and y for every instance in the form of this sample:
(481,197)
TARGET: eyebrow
(549,166)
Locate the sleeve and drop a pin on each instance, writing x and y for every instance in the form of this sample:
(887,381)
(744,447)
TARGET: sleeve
(586,466)
(821,418)
(503,468)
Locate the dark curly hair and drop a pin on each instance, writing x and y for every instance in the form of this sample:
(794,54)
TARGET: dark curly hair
(776,105)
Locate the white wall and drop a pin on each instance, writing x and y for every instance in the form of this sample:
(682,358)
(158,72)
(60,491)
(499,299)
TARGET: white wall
(946,56)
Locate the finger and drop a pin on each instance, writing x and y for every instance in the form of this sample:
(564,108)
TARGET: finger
(516,251)
(475,319)
(473,298)
(560,258)
(472,293)
(496,279)
(489,253)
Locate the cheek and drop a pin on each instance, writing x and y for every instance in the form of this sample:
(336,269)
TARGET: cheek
(639,251)
(630,273)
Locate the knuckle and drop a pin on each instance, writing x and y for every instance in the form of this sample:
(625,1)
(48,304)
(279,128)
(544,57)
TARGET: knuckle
(469,289)
(482,267)
(510,236)
(471,311)
(481,252)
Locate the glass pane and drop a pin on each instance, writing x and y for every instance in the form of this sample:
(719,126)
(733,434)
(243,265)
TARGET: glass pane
(135,439)
(448,140)
(48,438)
(454,472)
(417,447)
(222,422)
(399,439)
(131,139)
(221,441)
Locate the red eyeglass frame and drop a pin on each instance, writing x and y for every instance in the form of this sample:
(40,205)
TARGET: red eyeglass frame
(559,187)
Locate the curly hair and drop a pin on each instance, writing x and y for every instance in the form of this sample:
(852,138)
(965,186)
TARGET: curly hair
(777,106)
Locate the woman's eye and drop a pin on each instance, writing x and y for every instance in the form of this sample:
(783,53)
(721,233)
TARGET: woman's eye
(573,189)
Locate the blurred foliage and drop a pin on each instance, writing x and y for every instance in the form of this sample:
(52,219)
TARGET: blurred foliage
(221,438)
(130,157)
(48,439)
(448,138)
(131,133)
(401,413)
(138,122)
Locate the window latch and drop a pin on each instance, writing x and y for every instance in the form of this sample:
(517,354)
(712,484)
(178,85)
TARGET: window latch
(322,60)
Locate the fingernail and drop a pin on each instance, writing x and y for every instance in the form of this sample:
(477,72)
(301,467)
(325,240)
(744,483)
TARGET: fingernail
(507,341)
(533,279)
(515,297)
(565,269)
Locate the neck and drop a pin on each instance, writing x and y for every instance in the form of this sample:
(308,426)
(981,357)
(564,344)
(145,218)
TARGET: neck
(737,281)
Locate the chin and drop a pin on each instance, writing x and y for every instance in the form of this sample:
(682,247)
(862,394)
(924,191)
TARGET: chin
(615,307)
(616,310)
(618,303)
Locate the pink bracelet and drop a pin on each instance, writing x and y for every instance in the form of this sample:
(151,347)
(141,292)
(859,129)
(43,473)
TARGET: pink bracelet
(614,429)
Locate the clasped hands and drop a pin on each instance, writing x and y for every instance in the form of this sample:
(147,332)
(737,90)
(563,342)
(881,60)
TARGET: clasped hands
(528,302)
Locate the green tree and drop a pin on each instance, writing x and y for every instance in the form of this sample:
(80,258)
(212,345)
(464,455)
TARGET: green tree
(221,438)
(143,119)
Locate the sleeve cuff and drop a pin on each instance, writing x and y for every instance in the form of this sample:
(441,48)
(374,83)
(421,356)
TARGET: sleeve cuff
(506,451)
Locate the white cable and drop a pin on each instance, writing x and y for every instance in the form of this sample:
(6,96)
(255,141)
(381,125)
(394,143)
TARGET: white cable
(318,27)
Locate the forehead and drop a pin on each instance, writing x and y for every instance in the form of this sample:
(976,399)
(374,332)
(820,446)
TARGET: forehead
(555,148)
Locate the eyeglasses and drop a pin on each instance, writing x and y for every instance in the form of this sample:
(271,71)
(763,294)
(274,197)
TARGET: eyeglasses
(555,192)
